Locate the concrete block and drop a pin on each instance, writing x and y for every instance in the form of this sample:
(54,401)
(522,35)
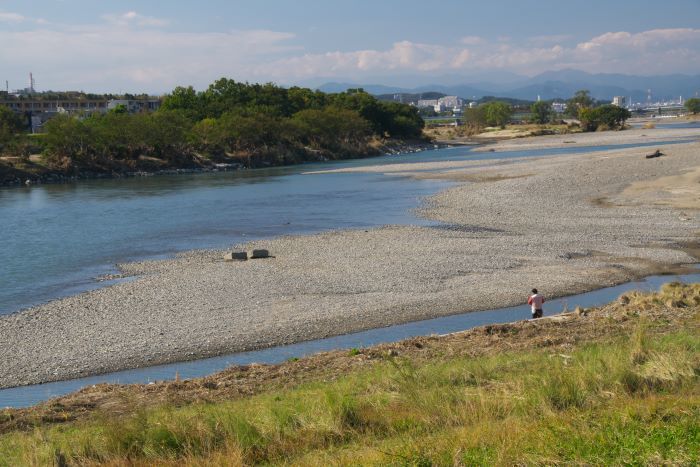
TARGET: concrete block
(260,254)
(236,256)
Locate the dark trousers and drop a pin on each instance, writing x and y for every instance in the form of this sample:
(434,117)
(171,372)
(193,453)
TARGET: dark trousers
(537,314)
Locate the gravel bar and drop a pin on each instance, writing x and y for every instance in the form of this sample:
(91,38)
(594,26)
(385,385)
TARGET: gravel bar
(564,224)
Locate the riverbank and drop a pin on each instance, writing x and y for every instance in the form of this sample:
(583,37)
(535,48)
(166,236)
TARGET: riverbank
(567,133)
(629,136)
(627,369)
(561,223)
(15,171)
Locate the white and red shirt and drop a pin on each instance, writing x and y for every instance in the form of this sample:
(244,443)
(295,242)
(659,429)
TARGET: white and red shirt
(535,301)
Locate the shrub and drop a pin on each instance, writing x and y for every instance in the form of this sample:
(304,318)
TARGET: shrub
(603,117)
(497,113)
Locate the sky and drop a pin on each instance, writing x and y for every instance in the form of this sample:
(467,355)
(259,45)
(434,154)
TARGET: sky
(154,45)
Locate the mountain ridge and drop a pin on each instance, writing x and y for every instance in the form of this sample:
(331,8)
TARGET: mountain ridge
(551,84)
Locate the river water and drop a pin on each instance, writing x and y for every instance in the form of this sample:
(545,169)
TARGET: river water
(58,238)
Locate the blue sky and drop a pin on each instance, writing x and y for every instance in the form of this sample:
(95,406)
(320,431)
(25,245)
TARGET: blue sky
(152,46)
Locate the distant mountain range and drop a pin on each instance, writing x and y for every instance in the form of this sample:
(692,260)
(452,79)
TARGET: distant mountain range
(552,84)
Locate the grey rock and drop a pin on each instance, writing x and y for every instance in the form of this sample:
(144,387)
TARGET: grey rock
(236,256)
(260,253)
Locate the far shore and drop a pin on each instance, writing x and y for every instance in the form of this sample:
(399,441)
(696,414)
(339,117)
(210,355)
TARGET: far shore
(14,172)
(564,224)
(450,136)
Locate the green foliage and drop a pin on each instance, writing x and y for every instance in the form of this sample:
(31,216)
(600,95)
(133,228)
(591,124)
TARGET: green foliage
(497,113)
(99,140)
(186,100)
(11,125)
(475,118)
(330,127)
(632,400)
(250,122)
(693,105)
(119,109)
(532,407)
(605,116)
(581,100)
(67,137)
(541,112)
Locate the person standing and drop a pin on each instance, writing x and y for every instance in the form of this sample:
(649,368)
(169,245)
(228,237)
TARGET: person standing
(535,301)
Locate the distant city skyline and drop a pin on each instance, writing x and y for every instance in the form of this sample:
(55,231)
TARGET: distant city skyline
(130,46)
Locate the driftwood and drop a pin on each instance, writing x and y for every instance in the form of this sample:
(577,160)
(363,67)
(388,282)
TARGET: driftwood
(656,153)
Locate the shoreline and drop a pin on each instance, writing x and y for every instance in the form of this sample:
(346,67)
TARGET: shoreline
(559,333)
(53,177)
(343,281)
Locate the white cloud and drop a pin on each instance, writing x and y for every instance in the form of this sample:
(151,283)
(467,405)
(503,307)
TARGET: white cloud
(131,52)
(132,18)
(6,17)
(124,53)
(403,56)
(654,51)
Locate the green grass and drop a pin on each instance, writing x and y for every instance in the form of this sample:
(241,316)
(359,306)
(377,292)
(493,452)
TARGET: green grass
(635,400)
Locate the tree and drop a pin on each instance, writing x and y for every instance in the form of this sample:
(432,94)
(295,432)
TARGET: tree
(207,135)
(693,105)
(581,100)
(474,118)
(541,112)
(10,124)
(119,109)
(67,137)
(610,116)
(497,113)
(330,127)
(187,100)
(403,121)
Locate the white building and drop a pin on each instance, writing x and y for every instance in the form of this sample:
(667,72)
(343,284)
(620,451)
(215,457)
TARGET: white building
(443,104)
(619,101)
(559,107)
(427,103)
(451,101)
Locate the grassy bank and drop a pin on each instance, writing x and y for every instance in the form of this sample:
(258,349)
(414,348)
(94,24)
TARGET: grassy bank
(630,395)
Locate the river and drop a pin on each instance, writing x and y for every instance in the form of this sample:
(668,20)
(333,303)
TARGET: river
(58,238)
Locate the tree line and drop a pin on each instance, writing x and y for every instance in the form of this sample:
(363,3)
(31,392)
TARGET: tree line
(254,124)
(592,114)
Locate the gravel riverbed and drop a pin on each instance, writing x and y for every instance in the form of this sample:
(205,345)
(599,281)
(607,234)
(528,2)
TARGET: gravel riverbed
(564,224)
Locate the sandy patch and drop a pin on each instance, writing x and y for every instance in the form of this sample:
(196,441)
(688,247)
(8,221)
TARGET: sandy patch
(679,191)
